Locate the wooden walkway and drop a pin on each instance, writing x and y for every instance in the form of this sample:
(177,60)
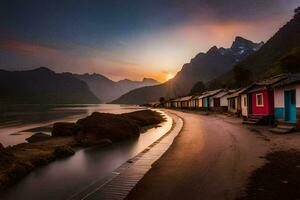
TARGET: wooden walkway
(123,179)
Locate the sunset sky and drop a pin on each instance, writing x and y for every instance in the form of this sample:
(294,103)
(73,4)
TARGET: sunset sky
(129,39)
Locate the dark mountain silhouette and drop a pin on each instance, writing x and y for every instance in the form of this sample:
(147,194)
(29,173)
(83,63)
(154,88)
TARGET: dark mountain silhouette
(43,86)
(108,90)
(280,54)
(204,67)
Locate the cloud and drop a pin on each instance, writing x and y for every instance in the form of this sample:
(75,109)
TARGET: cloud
(96,60)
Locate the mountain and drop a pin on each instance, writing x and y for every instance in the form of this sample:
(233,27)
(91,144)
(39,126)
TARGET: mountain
(280,54)
(108,90)
(43,86)
(128,85)
(204,67)
(104,88)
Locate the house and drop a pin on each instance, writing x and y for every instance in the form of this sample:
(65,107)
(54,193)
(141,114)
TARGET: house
(218,102)
(260,101)
(287,100)
(176,103)
(237,101)
(192,103)
(185,101)
(167,104)
(197,102)
(205,101)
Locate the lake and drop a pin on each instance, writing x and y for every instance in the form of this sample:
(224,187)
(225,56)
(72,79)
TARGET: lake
(65,178)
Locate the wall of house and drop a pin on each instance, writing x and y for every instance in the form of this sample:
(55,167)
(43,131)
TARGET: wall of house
(279,100)
(200,105)
(205,102)
(192,103)
(211,102)
(231,109)
(268,103)
(224,101)
(244,105)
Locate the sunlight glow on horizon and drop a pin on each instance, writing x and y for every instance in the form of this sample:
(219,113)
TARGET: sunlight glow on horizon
(169,76)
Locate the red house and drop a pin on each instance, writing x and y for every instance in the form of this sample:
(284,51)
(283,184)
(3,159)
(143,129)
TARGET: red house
(261,101)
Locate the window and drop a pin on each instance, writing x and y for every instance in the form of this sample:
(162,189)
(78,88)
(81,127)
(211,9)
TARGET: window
(259,100)
(245,101)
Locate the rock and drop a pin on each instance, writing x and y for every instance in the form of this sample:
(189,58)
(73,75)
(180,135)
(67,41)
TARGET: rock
(107,126)
(37,137)
(100,142)
(63,151)
(65,129)
(145,117)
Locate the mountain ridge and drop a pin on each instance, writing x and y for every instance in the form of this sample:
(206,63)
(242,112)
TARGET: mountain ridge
(106,89)
(43,86)
(204,67)
(280,54)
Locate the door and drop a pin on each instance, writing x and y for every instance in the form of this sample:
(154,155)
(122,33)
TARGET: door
(244,99)
(290,105)
(216,102)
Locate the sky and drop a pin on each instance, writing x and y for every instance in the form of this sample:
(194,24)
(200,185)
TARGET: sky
(129,39)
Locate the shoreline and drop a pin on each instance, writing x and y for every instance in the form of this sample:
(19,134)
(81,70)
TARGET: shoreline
(19,160)
(124,178)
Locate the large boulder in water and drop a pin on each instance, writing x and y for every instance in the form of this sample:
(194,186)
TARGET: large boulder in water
(65,129)
(104,125)
(63,151)
(38,137)
(145,117)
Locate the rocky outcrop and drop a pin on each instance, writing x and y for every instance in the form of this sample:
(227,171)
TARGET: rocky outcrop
(63,151)
(145,117)
(65,129)
(38,137)
(103,125)
(100,127)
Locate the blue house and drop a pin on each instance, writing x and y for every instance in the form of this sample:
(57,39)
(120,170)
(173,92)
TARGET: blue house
(287,100)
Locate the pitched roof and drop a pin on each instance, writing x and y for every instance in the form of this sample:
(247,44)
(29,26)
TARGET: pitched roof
(221,94)
(237,92)
(272,80)
(267,83)
(186,98)
(210,93)
(291,79)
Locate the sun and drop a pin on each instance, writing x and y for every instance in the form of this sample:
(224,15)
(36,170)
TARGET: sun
(169,76)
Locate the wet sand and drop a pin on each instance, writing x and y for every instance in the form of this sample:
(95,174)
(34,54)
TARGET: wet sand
(211,158)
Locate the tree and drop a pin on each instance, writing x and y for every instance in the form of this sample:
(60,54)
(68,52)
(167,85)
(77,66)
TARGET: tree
(214,85)
(198,88)
(290,63)
(297,10)
(162,99)
(242,76)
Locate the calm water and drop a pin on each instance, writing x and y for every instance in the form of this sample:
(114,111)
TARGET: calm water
(17,122)
(65,178)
